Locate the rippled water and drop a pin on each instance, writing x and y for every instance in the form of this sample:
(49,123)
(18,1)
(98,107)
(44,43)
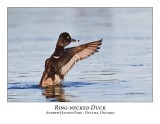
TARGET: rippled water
(120,72)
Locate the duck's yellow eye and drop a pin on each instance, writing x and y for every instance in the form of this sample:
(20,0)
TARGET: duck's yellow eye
(68,37)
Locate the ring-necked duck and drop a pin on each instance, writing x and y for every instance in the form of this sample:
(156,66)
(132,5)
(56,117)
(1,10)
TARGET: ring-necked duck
(63,59)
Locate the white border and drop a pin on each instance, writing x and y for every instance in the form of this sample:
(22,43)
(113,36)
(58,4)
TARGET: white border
(35,112)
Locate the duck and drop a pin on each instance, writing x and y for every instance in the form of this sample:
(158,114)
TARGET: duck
(63,59)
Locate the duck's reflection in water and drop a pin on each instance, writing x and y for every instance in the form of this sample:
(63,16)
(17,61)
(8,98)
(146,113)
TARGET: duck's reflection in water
(56,92)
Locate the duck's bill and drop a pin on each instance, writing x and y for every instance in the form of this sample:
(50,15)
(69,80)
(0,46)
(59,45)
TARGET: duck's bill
(74,40)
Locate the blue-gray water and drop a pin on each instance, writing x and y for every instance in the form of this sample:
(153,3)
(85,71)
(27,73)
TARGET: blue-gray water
(120,72)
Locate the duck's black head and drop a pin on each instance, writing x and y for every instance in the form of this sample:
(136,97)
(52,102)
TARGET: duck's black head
(64,39)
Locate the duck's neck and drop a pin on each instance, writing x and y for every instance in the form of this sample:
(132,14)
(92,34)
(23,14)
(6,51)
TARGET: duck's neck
(58,51)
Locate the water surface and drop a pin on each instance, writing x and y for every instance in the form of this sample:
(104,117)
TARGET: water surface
(120,72)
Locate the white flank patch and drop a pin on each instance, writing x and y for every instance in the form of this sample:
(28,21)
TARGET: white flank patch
(57,79)
(49,82)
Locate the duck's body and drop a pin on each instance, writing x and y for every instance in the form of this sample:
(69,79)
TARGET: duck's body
(62,60)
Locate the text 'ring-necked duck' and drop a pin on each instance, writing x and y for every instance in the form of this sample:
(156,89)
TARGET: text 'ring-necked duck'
(63,59)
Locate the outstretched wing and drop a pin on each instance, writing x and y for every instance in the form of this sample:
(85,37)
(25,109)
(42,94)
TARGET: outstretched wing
(74,54)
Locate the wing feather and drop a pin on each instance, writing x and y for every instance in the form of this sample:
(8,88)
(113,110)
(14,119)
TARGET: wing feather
(78,53)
